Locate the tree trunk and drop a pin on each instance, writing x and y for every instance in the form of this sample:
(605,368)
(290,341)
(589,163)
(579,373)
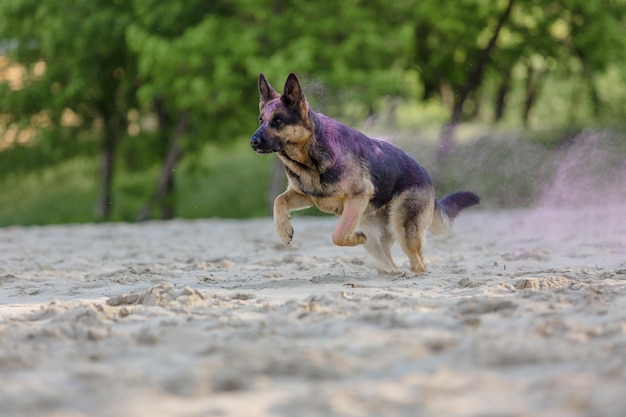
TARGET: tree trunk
(594,96)
(596,101)
(164,190)
(530,95)
(473,81)
(423,54)
(503,91)
(104,205)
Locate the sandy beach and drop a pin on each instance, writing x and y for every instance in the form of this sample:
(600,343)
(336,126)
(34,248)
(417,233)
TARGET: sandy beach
(522,313)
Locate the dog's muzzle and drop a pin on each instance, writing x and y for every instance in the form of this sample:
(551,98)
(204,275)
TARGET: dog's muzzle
(263,145)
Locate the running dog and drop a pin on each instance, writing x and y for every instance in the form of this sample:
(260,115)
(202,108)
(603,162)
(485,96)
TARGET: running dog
(380,193)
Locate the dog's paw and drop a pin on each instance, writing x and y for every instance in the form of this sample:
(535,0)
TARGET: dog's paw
(286,235)
(358,238)
(285,230)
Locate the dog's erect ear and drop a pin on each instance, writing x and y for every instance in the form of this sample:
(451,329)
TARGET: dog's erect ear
(266,91)
(293,95)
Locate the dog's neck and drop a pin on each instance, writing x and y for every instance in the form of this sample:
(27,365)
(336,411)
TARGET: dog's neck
(313,152)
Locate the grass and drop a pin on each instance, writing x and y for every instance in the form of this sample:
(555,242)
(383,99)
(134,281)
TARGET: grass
(221,182)
(505,169)
(60,193)
(229,182)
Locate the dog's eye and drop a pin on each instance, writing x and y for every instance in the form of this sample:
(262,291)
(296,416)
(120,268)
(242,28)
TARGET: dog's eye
(277,121)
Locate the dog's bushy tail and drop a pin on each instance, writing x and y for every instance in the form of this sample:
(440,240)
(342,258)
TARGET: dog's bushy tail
(449,207)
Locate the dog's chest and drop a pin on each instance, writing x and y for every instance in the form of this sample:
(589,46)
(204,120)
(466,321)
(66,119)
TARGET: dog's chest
(333,204)
(311,182)
(316,177)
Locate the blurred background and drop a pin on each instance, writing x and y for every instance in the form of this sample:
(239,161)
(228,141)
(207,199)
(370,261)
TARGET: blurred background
(127,110)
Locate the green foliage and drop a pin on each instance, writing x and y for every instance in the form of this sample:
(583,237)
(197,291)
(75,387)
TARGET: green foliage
(555,63)
(87,65)
(19,160)
(203,57)
(197,68)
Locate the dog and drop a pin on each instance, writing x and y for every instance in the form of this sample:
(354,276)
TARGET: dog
(381,194)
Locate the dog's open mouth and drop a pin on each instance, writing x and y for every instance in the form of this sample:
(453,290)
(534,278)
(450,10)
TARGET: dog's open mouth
(263,151)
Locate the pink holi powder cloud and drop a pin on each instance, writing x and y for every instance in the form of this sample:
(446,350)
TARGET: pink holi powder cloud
(587,174)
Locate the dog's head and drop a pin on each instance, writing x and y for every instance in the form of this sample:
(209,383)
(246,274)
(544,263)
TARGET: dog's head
(284,120)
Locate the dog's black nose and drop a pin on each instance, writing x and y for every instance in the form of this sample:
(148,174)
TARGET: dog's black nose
(255,140)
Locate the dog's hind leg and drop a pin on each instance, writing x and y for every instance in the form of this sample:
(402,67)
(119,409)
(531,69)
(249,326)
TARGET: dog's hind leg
(379,241)
(378,248)
(413,246)
(411,216)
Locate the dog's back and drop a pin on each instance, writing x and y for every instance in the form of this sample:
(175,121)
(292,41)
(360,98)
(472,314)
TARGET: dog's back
(391,170)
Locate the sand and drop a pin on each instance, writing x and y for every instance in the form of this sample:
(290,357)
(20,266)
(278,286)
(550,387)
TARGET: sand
(522,313)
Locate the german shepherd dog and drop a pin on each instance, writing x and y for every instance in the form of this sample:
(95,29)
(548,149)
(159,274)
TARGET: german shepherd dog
(381,193)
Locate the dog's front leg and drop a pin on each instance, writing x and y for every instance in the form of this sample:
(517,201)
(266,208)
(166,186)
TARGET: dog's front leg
(284,203)
(353,209)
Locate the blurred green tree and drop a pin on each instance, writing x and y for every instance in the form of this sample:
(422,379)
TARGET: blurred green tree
(460,44)
(192,66)
(454,45)
(76,60)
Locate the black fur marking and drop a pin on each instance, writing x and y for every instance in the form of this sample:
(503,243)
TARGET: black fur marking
(274,109)
(328,177)
(295,177)
(283,118)
(331,175)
